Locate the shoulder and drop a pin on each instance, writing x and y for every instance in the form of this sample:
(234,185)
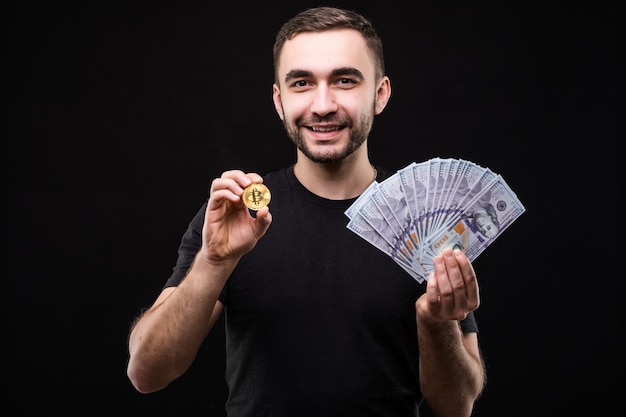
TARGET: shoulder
(277,175)
(383,173)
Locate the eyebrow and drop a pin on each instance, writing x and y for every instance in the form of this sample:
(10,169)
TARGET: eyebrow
(297,73)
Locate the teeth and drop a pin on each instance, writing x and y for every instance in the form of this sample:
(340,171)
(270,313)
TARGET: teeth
(322,129)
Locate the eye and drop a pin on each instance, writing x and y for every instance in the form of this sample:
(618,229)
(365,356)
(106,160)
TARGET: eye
(346,81)
(299,84)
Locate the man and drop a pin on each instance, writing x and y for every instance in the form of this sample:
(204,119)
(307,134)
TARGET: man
(318,321)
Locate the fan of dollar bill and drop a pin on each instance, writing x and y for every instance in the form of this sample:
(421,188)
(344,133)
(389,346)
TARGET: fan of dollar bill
(426,207)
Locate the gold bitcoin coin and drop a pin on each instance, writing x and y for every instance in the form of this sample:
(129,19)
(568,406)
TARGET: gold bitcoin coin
(256,196)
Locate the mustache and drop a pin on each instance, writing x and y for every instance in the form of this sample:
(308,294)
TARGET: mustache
(330,118)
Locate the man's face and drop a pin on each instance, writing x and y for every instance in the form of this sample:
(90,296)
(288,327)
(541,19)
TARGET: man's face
(327,93)
(485,225)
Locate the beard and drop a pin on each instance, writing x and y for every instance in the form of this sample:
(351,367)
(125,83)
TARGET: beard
(358,135)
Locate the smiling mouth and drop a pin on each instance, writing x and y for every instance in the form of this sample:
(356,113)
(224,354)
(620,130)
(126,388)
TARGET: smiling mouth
(325,129)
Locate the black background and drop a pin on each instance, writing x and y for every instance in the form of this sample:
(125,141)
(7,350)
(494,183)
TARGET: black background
(120,114)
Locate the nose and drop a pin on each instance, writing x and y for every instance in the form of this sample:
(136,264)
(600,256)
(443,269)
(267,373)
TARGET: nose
(323,101)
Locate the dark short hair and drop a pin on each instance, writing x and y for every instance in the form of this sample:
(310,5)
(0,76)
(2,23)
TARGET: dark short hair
(319,19)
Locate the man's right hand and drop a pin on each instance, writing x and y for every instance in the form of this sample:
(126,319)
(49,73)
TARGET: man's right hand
(229,230)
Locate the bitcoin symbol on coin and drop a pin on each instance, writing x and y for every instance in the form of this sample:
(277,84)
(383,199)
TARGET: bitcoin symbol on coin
(256,196)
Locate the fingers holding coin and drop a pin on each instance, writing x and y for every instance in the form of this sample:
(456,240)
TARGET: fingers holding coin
(231,185)
(256,196)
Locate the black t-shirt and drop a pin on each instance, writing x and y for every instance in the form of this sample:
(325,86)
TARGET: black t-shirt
(319,322)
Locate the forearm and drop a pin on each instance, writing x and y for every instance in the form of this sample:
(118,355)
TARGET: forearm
(451,368)
(164,341)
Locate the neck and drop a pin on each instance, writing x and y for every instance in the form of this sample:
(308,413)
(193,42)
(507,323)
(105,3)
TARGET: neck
(339,181)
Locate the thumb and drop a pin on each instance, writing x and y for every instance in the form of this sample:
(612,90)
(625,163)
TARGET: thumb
(262,221)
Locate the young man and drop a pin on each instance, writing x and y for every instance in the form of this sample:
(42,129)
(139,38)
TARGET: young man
(318,321)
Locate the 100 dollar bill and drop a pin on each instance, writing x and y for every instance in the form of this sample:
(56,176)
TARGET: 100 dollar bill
(482,220)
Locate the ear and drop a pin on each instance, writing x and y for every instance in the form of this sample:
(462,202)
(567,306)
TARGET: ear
(383,93)
(278,104)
